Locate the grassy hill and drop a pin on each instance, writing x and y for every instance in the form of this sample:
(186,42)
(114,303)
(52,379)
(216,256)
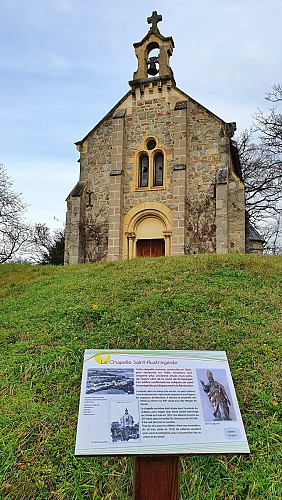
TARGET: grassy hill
(49,315)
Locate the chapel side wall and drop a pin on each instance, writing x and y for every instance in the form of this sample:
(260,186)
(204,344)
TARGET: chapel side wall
(74,252)
(95,168)
(207,153)
(179,177)
(236,215)
(116,195)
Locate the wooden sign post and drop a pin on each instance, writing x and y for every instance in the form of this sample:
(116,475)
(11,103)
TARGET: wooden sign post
(156,478)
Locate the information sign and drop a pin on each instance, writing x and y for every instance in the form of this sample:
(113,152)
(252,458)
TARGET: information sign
(158,402)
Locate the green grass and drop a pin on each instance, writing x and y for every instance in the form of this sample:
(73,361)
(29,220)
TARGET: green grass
(230,303)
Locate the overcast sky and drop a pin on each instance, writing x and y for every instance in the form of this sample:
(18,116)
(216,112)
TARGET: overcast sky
(65,63)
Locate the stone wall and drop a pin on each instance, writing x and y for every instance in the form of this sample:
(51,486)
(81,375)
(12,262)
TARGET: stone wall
(195,144)
(96,164)
(236,215)
(145,118)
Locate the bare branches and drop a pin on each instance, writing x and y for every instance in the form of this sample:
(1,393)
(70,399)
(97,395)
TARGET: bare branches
(275,94)
(20,241)
(269,126)
(46,247)
(262,173)
(14,232)
(260,151)
(272,233)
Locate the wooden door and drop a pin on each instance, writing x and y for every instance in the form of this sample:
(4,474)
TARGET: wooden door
(150,248)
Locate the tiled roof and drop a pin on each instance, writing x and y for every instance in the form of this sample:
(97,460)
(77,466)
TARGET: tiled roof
(254,235)
(78,189)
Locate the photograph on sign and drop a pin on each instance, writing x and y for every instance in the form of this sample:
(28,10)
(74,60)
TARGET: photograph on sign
(125,421)
(158,402)
(215,395)
(110,381)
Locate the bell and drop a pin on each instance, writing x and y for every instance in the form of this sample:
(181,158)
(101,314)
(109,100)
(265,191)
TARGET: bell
(152,70)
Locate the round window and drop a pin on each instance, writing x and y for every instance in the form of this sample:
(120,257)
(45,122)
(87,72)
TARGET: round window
(151,144)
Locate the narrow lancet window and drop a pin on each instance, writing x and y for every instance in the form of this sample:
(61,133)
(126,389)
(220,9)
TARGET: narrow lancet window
(143,171)
(159,170)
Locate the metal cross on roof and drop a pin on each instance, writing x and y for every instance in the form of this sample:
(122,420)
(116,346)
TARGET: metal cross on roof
(154,20)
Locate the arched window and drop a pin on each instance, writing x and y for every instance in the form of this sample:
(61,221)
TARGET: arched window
(143,170)
(89,199)
(158,170)
(150,166)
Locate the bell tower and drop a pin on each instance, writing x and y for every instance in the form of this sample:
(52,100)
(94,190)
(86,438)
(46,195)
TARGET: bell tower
(153,54)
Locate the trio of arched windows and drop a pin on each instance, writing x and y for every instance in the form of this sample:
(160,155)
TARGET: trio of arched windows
(151,167)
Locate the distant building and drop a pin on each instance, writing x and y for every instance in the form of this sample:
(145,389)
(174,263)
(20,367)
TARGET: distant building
(159,174)
(254,240)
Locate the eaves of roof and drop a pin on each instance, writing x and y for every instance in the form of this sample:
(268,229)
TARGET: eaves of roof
(200,105)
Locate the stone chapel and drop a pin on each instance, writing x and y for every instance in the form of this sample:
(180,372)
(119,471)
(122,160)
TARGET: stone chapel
(159,174)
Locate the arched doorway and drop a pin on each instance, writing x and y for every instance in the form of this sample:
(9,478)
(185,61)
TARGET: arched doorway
(147,231)
(150,240)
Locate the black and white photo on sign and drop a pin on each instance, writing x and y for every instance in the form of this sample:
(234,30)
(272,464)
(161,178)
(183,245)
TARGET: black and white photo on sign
(125,421)
(110,381)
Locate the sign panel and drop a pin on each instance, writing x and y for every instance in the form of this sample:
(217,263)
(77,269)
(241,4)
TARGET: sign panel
(158,402)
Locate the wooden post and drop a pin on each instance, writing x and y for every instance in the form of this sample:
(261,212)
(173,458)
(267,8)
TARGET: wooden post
(156,478)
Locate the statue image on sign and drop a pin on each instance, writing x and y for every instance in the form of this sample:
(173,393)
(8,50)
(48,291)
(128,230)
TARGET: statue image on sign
(218,397)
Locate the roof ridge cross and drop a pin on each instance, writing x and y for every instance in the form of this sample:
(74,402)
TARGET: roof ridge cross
(154,20)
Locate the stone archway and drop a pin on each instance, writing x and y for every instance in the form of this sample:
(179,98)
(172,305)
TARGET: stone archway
(147,231)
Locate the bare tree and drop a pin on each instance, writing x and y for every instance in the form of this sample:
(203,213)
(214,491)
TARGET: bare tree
(46,247)
(272,233)
(14,232)
(262,174)
(260,151)
(275,94)
(269,126)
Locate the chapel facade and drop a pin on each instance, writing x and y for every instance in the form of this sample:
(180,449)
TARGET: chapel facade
(159,174)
